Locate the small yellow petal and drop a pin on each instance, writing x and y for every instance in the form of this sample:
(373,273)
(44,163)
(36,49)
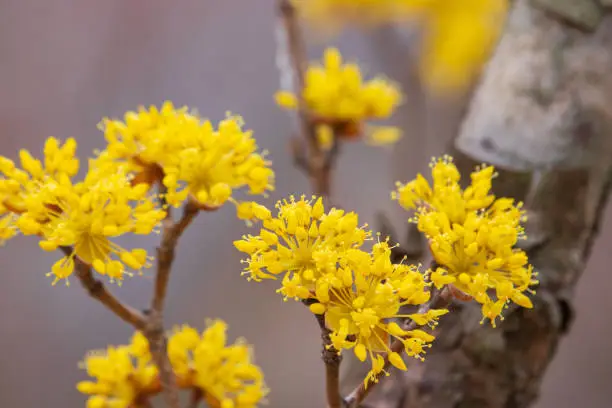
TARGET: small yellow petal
(397,361)
(286,99)
(317,308)
(360,352)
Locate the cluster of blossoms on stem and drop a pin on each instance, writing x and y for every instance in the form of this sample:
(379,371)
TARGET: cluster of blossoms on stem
(186,159)
(472,236)
(187,154)
(318,256)
(340,101)
(20,187)
(42,199)
(225,374)
(458,34)
(168,146)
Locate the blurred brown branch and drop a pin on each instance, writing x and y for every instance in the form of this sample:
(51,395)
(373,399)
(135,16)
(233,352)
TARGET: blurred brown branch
(154,330)
(316,162)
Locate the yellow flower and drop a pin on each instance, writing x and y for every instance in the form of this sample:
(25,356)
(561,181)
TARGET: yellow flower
(217,163)
(459,38)
(302,244)
(225,373)
(364,298)
(19,186)
(149,138)
(383,135)
(335,93)
(87,215)
(333,14)
(184,152)
(472,235)
(459,34)
(120,375)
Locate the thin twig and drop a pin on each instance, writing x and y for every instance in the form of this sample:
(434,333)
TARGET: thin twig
(154,331)
(196,398)
(332,359)
(319,163)
(438,300)
(144,404)
(171,232)
(97,290)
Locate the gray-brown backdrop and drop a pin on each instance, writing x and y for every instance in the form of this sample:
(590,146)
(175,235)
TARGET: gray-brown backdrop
(65,64)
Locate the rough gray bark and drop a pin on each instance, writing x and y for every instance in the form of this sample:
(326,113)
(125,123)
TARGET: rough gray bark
(543,115)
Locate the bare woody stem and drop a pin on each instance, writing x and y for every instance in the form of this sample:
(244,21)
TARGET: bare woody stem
(97,290)
(154,330)
(316,162)
(195,399)
(332,360)
(171,232)
(438,300)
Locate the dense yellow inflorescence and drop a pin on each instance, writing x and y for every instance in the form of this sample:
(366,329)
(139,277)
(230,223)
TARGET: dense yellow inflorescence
(20,188)
(88,215)
(121,375)
(225,374)
(168,146)
(459,35)
(187,155)
(302,245)
(472,236)
(340,100)
(318,256)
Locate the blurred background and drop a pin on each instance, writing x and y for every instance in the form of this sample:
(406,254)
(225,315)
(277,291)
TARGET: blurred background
(65,64)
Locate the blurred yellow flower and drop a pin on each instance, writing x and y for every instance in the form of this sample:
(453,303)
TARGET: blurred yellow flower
(459,38)
(336,92)
(21,186)
(472,236)
(122,375)
(459,34)
(340,100)
(225,373)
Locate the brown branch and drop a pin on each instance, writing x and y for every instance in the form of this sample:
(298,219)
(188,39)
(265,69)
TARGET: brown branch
(438,300)
(196,398)
(332,360)
(318,163)
(154,330)
(97,290)
(171,233)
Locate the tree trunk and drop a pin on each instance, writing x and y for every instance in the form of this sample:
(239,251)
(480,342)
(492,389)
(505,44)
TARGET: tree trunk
(542,115)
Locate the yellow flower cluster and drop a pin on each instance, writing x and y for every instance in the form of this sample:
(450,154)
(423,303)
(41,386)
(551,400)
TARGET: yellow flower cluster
(41,199)
(186,154)
(318,255)
(20,187)
(225,373)
(302,244)
(126,375)
(472,236)
(459,34)
(87,215)
(340,100)
(363,300)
